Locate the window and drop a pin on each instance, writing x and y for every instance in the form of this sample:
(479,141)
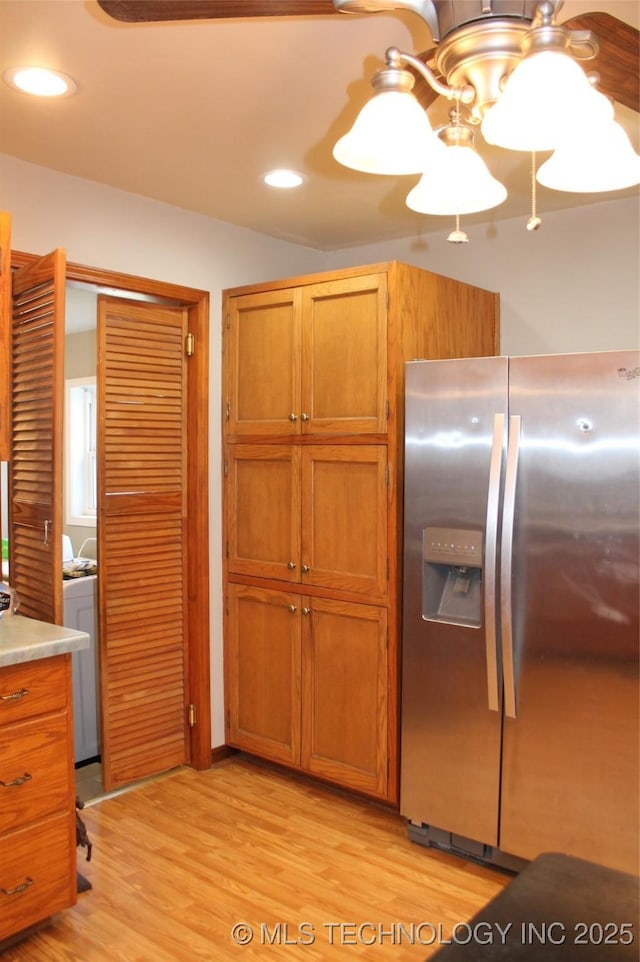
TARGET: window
(80,444)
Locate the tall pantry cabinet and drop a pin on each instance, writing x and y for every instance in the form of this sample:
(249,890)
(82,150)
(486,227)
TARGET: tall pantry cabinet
(312,407)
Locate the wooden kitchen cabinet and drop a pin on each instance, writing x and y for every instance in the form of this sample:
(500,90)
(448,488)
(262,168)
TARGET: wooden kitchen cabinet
(327,343)
(306,677)
(313,434)
(314,515)
(37,794)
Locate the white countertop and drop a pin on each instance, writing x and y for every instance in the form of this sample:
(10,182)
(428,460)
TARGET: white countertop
(25,639)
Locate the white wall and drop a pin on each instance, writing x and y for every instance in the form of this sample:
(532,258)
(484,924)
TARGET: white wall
(571,286)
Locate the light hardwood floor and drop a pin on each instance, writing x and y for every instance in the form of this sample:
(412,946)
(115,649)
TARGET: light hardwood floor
(316,873)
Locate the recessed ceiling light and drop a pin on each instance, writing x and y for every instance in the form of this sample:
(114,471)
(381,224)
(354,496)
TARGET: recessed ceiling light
(40,82)
(283,178)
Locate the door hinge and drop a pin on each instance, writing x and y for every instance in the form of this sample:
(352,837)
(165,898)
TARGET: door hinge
(227,411)
(190,344)
(226,468)
(228,321)
(191,709)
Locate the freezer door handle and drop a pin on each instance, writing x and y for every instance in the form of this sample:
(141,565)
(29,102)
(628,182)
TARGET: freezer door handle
(508,513)
(491,562)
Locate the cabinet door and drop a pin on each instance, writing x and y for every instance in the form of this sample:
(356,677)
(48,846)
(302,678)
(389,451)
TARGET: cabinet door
(263,672)
(263,364)
(344,363)
(344,518)
(344,695)
(263,505)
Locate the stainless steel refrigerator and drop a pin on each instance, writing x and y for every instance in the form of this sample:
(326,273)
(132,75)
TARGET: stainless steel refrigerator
(521,606)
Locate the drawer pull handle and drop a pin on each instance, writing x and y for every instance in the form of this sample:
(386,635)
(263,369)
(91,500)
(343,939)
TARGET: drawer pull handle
(20,780)
(12,696)
(28,882)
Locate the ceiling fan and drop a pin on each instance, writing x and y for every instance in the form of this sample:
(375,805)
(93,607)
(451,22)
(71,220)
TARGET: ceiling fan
(474,39)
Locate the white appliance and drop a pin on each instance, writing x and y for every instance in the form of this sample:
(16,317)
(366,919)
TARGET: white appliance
(81,613)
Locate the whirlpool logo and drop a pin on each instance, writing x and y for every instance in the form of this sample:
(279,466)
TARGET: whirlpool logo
(629,375)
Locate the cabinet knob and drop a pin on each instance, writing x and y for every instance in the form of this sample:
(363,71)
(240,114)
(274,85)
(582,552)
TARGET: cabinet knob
(291,565)
(293,417)
(306,568)
(304,417)
(306,611)
(292,609)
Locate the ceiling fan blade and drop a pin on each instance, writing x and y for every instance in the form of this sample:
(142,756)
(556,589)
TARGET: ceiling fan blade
(149,11)
(617,60)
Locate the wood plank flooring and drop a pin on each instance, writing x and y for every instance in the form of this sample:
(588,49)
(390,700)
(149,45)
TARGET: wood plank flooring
(311,872)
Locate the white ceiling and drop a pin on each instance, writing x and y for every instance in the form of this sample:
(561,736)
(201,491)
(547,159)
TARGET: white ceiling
(193,113)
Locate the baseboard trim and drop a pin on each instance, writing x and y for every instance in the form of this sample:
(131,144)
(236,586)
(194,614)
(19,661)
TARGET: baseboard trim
(221,753)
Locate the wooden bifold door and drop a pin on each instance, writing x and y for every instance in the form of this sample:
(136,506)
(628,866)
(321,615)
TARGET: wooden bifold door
(142,499)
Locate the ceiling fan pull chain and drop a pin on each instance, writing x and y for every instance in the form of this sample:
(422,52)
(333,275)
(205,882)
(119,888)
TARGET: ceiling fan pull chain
(534,221)
(458,236)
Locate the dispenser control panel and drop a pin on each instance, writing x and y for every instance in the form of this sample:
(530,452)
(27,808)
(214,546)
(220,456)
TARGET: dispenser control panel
(452,546)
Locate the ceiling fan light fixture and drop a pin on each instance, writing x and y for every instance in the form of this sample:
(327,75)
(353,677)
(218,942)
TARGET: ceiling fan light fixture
(40,81)
(514,73)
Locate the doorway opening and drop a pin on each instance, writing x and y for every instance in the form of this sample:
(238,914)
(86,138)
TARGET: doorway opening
(91,282)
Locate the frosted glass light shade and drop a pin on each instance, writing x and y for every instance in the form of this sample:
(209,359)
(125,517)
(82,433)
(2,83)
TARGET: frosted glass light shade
(391,135)
(546,91)
(458,182)
(596,158)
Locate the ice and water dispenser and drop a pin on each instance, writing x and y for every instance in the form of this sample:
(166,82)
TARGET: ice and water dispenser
(452,576)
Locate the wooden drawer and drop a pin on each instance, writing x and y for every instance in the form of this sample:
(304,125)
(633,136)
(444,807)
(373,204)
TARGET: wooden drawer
(33,688)
(37,873)
(34,770)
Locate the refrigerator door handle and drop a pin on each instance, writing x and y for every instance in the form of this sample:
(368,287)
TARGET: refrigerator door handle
(491,562)
(508,513)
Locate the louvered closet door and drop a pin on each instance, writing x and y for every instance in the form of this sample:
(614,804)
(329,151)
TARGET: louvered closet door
(142,475)
(36,441)
(5,340)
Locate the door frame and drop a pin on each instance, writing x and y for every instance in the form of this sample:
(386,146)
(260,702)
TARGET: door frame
(197,304)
